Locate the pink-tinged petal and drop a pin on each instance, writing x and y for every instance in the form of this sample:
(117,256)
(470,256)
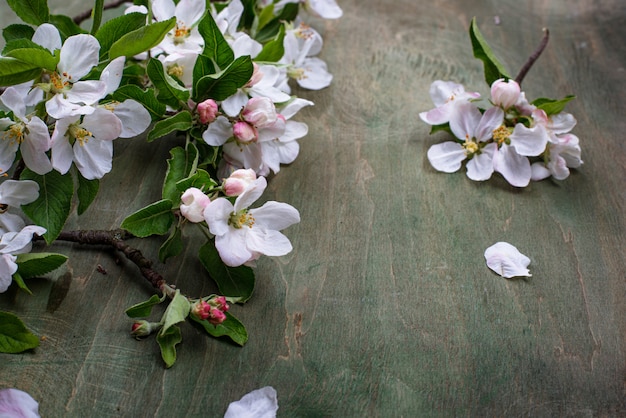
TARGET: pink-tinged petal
(441,92)
(7,268)
(268,242)
(18,192)
(48,36)
(447,156)
(218,132)
(94,158)
(190,11)
(514,168)
(275,215)
(232,247)
(163,9)
(506,260)
(464,120)
(79,54)
(252,193)
(260,403)
(558,167)
(14,100)
(562,123)
(316,77)
(87,92)
(216,215)
(134,117)
(438,115)
(103,124)
(293,107)
(490,120)
(272,132)
(529,141)
(233,104)
(112,74)
(539,171)
(480,167)
(18,404)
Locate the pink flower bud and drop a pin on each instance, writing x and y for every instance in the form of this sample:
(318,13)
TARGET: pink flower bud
(201,309)
(244,132)
(193,203)
(238,181)
(257,75)
(207,110)
(220,303)
(505,93)
(141,328)
(216,316)
(260,112)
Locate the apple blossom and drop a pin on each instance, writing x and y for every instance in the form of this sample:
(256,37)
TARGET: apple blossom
(227,21)
(185,36)
(506,260)
(242,234)
(207,111)
(13,243)
(505,93)
(260,403)
(446,95)
(14,193)
(193,203)
(244,132)
(237,182)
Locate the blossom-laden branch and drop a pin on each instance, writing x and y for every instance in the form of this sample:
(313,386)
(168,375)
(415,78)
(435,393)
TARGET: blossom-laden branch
(533,57)
(115,238)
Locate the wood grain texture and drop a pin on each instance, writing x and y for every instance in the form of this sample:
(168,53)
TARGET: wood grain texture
(385,308)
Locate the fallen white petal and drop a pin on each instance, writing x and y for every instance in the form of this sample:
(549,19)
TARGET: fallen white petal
(17,403)
(260,403)
(506,260)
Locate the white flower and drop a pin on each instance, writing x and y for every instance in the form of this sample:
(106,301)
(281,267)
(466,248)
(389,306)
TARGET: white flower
(505,93)
(227,21)
(88,143)
(561,156)
(15,403)
(446,95)
(194,201)
(309,72)
(474,129)
(242,234)
(506,260)
(14,193)
(13,243)
(185,36)
(30,135)
(79,54)
(326,9)
(260,403)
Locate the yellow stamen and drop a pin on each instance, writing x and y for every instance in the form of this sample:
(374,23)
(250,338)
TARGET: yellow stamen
(501,134)
(15,133)
(176,70)
(81,134)
(241,219)
(180,33)
(296,73)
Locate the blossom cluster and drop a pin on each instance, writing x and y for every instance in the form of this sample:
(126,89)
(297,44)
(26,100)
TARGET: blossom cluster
(522,141)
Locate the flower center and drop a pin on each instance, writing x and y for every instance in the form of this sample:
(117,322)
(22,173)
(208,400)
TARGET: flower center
(81,134)
(15,133)
(501,134)
(181,32)
(59,82)
(296,73)
(470,146)
(240,219)
(176,70)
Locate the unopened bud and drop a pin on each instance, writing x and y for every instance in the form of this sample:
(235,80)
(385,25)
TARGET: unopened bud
(260,112)
(207,111)
(257,75)
(193,203)
(216,316)
(238,181)
(505,93)
(142,328)
(244,132)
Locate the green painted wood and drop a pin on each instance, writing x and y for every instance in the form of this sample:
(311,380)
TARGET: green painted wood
(385,308)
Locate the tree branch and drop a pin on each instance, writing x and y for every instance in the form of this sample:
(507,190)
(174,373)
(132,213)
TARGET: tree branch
(78,19)
(534,56)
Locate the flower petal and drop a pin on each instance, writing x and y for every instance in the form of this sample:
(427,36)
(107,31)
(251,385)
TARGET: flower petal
(447,156)
(506,260)
(79,54)
(232,247)
(216,215)
(94,158)
(260,403)
(48,36)
(514,168)
(218,132)
(17,403)
(134,117)
(275,215)
(18,192)
(529,141)
(480,167)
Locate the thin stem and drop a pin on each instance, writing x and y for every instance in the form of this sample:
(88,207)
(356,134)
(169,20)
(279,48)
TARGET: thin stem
(115,238)
(534,56)
(78,19)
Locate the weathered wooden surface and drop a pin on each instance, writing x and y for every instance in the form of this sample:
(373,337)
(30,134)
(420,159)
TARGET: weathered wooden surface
(385,308)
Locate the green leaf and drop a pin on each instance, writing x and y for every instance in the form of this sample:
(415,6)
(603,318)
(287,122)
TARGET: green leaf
(176,312)
(172,246)
(169,91)
(66,25)
(552,106)
(231,328)
(203,66)
(142,39)
(96,16)
(225,84)
(145,97)
(154,219)
(112,30)
(87,192)
(269,31)
(54,204)
(235,282)
(144,309)
(19,281)
(215,46)
(17,31)
(37,264)
(180,122)
(167,343)
(201,179)
(41,58)
(14,336)
(265,16)
(445,127)
(13,71)
(273,50)
(494,70)
(34,12)
(179,166)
